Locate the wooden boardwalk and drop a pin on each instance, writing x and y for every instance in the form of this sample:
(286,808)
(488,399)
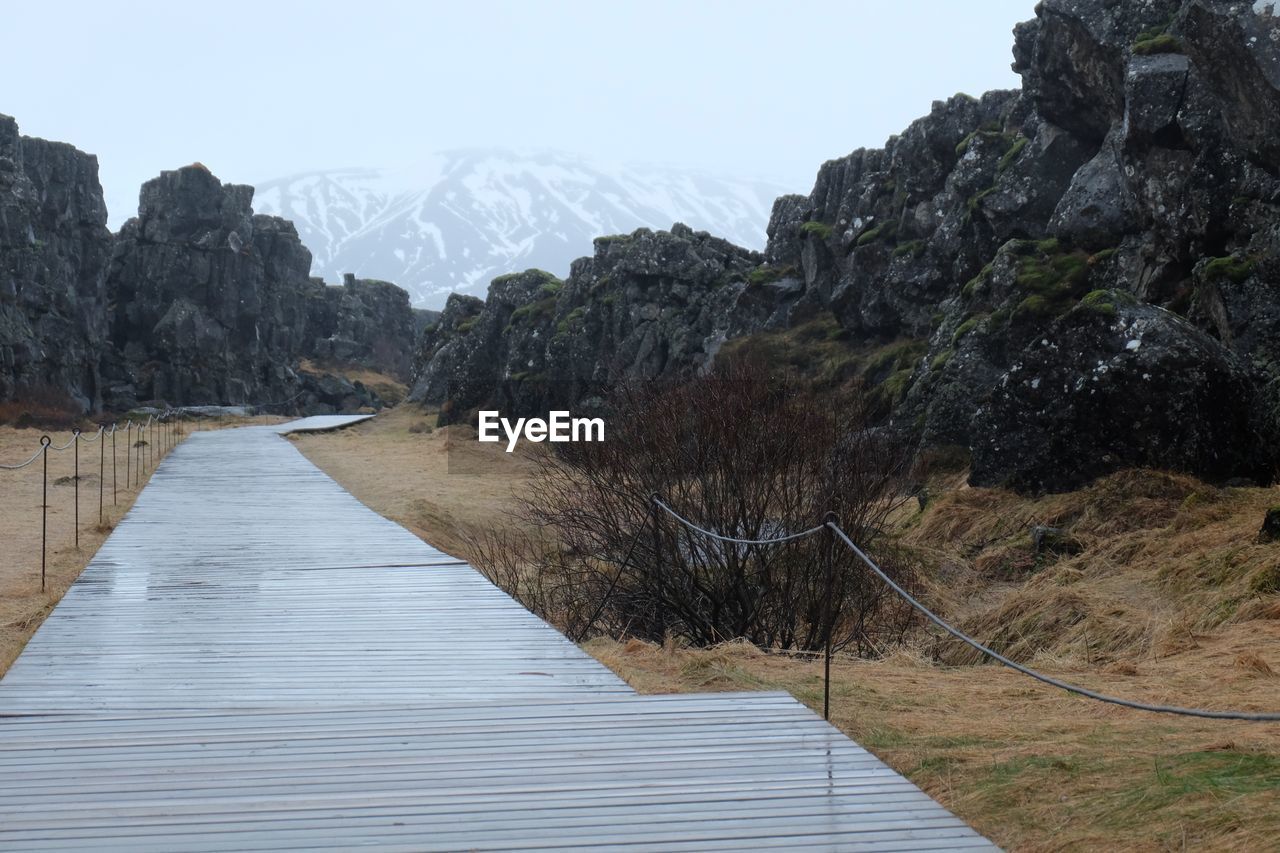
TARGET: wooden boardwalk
(256,661)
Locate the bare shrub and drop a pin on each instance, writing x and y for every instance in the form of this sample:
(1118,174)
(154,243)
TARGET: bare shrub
(537,572)
(41,407)
(737,452)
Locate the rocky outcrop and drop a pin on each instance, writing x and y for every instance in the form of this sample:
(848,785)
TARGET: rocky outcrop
(1134,165)
(196,300)
(1116,383)
(54,246)
(645,305)
(365,322)
(215,304)
(1129,191)
(209,299)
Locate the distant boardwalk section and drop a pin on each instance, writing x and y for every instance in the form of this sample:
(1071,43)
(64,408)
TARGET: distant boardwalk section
(257,661)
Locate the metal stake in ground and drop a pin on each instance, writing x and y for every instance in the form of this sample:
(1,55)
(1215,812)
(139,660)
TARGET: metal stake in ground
(829,545)
(128,453)
(658,585)
(45,441)
(102,471)
(114,429)
(75,439)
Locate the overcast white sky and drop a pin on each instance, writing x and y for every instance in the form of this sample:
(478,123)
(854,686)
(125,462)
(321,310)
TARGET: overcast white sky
(257,90)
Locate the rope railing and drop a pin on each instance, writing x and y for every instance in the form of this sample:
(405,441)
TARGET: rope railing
(836,531)
(22,465)
(787,537)
(166,423)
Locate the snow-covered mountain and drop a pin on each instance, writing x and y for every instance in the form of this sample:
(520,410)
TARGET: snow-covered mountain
(465,217)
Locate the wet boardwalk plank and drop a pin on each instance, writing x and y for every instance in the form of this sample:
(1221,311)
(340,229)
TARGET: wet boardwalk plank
(256,661)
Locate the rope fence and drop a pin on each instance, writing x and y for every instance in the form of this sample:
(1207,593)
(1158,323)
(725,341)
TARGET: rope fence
(156,436)
(833,528)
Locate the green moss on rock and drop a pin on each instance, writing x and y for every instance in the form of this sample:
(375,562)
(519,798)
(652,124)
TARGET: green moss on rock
(766,275)
(821,230)
(1154,44)
(909,249)
(1012,154)
(534,311)
(1230,268)
(966,327)
(885,230)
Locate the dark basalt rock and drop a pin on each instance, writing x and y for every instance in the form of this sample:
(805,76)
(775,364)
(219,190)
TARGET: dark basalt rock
(209,299)
(366,322)
(54,246)
(196,301)
(1132,183)
(1114,385)
(647,305)
(1270,531)
(214,305)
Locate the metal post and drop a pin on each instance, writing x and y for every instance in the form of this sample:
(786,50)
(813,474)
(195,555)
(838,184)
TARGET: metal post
(128,454)
(102,470)
(75,440)
(45,441)
(115,428)
(829,543)
(658,586)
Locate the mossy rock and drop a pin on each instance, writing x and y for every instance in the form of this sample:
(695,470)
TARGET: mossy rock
(1104,302)
(1155,44)
(571,321)
(821,230)
(892,390)
(1034,308)
(1054,277)
(909,249)
(989,131)
(763,275)
(885,231)
(1230,268)
(1011,155)
(534,311)
(966,327)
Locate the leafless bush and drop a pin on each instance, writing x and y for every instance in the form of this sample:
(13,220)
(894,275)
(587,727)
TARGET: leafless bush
(40,407)
(537,572)
(738,453)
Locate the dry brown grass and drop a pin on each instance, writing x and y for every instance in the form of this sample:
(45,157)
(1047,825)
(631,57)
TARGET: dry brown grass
(1171,601)
(1029,767)
(22,605)
(390,389)
(1166,559)
(400,467)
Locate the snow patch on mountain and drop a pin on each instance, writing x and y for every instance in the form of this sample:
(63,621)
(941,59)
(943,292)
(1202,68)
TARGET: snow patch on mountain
(461,218)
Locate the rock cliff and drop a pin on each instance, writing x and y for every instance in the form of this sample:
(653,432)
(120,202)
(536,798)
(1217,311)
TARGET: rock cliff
(645,305)
(1084,272)
(196,301)
(54,247)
